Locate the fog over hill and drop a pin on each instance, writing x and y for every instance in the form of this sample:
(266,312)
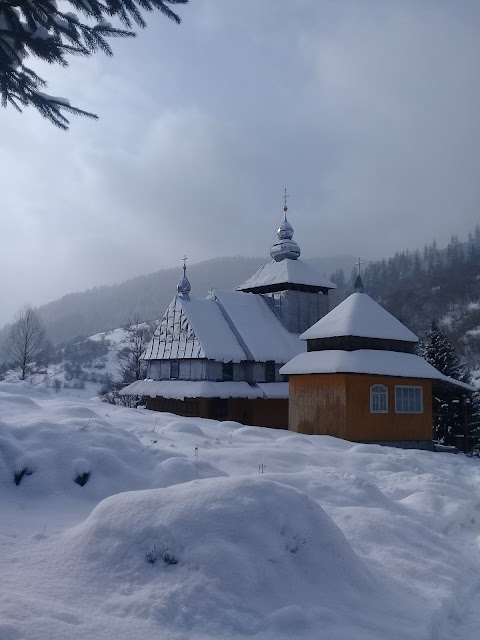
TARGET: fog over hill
(441,284)
(108,307)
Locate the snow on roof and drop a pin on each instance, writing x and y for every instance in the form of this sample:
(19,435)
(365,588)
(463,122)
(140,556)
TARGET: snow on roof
(367,361)
(194,328)
(286,271)
(359,316)
(274,390)
(257,328)
(228,327)
(217,340)
(181,389)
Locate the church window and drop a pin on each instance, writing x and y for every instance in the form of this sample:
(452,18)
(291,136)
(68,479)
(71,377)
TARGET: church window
(174,369)
(378,399)
(408,399)
(227,371)
(270,371)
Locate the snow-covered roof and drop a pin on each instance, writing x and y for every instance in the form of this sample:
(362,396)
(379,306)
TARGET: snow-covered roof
(257,327)
(181,389)
(286,272)
(207,321)
(194,328)
(274,390)
(227,327)
(359,316)
(367,361)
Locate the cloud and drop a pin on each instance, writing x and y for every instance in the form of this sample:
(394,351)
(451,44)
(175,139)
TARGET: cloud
(397,90)
(366,111)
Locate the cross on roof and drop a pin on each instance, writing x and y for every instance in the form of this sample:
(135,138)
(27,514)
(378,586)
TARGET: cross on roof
(285,199)
(184,264)
(358,264)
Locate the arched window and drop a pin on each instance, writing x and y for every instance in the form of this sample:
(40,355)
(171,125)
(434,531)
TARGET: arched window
(378,398)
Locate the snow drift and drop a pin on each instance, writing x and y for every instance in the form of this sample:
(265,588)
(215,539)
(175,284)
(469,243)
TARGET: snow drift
(189,528)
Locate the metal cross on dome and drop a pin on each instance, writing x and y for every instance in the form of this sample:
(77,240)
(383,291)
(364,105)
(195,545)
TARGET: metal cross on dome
(184,264)
(285,199)
(358,264)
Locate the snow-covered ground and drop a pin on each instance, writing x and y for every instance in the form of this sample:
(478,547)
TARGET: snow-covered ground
(177,533)
(92,373)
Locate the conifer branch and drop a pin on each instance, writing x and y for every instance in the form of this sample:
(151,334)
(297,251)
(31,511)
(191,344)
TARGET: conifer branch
(38,28)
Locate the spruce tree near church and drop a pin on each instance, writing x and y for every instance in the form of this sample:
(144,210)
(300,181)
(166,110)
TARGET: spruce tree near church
(39,28)
(448,412)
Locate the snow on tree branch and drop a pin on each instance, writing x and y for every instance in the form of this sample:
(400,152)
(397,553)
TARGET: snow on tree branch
(38,28)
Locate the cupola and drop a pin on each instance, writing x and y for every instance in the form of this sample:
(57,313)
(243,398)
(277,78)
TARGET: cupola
(184,287)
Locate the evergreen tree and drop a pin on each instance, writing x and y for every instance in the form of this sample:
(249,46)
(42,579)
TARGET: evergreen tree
(39,28)
(448,416)
(474,420)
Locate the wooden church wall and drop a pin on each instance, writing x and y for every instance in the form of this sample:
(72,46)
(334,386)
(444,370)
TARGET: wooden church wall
(317,404)
(266,413)
(339,405)
(364,426)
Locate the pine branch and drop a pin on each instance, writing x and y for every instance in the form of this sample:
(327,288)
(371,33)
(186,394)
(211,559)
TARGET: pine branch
(37,28)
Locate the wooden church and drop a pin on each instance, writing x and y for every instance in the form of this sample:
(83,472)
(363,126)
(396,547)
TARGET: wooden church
(220,357)
(360,379)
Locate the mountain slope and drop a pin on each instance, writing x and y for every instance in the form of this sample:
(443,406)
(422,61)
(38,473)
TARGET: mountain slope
(435,284)
(108,307)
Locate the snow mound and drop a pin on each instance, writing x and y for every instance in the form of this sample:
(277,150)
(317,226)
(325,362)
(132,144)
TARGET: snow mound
(240,554)
(179,470)
(184,427)
(14,385)
(72,453)
(255,433)
(229,425)
(294,439)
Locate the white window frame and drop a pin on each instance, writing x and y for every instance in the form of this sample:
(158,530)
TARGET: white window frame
(378,390)
(409,386)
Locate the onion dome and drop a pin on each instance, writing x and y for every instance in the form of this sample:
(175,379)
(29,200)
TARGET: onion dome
(285,247)
(184,287)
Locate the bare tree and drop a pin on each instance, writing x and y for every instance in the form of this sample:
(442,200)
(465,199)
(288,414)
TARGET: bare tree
(26,339)
(137,336)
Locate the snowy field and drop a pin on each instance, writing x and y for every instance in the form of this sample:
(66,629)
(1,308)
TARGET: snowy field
(177,534)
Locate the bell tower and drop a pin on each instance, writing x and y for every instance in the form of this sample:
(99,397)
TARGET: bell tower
(294,289)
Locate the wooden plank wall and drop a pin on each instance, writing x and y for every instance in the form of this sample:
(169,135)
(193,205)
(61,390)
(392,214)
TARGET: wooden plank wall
(270,413)
(364,426)
(264,413)
(191,407)
(317,404)
(339,405)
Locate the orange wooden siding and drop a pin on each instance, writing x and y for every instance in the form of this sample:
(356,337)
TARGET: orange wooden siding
(317,404)
(363,425)
(339,405)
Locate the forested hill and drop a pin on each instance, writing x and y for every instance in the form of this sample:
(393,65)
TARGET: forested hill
(440,284)
(108,307)
(433,284)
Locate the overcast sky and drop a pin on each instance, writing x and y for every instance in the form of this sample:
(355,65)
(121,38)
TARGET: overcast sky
(368,110)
